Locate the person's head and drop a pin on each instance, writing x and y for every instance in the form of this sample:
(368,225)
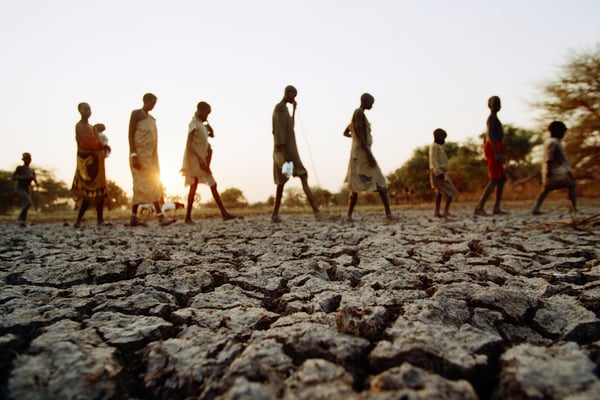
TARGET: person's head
(439,136)
(26,158)
(366,101)
(149,101)
(557,129)
(289,94)
(85,110)
(99,127)
(202,111)
(494,104)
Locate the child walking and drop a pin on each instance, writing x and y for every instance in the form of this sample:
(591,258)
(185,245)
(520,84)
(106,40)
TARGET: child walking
(23,176)
(556,169)
(438,173)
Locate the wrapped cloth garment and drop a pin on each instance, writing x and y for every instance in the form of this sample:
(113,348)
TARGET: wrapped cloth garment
(360,176)
(494,166)
(147,187)
(562,175)
(197,149)
(438,164)
(284,135)
(90,178)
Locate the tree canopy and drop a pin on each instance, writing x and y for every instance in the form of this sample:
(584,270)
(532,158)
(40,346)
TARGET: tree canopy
(574,98)
(467,166)
(51,194)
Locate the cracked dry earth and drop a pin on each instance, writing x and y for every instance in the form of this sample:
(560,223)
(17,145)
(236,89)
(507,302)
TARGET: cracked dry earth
(422,308)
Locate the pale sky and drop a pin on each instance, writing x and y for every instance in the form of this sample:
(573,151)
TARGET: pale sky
(428,64)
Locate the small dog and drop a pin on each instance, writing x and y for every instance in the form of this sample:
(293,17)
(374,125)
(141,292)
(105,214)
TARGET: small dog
(172,206)
(148,208)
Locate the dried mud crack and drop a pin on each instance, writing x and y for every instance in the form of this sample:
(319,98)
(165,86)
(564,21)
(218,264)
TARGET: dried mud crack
(422,308)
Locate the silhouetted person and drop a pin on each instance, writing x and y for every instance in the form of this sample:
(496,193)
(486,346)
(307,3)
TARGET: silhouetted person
(438,173)
(197,158)
(89,181)
(143,161)
(556,170)
(364,175)
(23,176)
(494,156)
(285,150)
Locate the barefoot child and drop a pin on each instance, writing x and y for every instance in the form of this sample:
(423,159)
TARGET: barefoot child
(438,173)
(556,170)
(196,161)
(23,176)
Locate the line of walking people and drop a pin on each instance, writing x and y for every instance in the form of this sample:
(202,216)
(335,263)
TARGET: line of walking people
(363,173)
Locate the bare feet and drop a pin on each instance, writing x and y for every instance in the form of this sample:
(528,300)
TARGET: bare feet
(164,221)
(228,217)
(480,212)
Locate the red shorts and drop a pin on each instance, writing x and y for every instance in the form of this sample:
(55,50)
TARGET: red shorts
(495,167)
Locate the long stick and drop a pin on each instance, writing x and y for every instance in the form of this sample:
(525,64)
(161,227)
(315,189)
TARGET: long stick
(589,218)
(312,160)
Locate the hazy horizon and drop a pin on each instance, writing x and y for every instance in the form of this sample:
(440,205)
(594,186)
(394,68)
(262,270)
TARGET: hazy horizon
(429,64)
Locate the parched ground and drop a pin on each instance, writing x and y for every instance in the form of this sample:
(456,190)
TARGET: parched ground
(422,308)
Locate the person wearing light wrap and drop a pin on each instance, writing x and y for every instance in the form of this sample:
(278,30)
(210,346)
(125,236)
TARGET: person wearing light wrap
(196,161)
(364,175)
(438,173)
(556,169)
(143,161)
(285,150)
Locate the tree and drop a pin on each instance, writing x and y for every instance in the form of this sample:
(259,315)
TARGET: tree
(467,167)
(233,197)
(323,197)
(51,193)
(574,98)
(413,174)
(294,197)
(517,145)
(116,196)
(8,196)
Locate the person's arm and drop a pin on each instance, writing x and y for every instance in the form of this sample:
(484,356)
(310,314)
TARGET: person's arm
(361,134)
(34,177)
(551,157)
(133,120)
(210,130)
(347,132)
(17,174)
(493,134)
(280,126)
(436,156)
(195,149)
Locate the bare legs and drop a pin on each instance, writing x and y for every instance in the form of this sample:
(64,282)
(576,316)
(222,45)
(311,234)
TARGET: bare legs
(25,204)
(438,203)
(494,184)
(215,193)
(307,192)
(386,201)
(224,214)
(190,202)
(162,220)
(544,193)
(278,196)
(353,197)
(85,204)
